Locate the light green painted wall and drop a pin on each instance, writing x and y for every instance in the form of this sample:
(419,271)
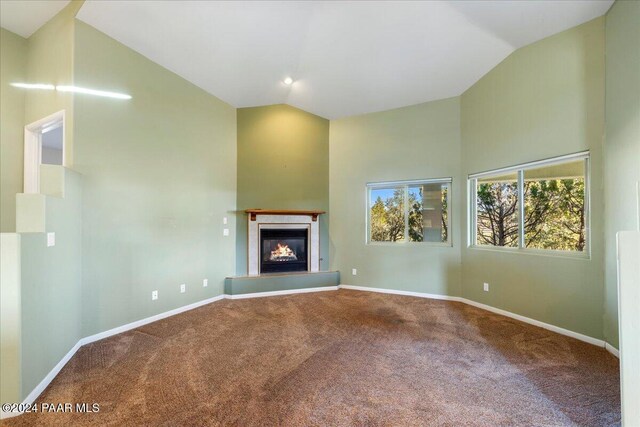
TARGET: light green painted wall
(417,142)
(283,163)
(622,146)
(51,279)
(52,286)
(50,60)
(159,175)
(544,100)
(10,318)
(13,68)
(161,170)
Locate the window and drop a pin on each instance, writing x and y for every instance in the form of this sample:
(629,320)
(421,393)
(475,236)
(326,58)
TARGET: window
(409,211)
(537,206)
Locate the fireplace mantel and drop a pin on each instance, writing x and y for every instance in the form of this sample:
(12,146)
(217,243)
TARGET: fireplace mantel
(312,213)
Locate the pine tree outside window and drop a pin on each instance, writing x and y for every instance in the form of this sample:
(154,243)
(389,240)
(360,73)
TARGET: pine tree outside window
(541,206)
(409,212)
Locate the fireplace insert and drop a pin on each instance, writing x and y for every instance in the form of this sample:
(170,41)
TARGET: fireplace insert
(283,250)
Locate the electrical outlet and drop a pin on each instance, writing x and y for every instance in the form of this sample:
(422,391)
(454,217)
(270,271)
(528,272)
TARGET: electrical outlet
(224,220)
(205,283)
(486,287)
(354,271)
(51,239)
(225,232)
(154,295)
(183,288)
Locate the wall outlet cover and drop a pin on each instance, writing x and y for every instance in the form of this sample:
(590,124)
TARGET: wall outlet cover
(225,232)
(154,295)
(354,271)
(183,288)
(205,283)
(224,220)
(486,287)
(51,239)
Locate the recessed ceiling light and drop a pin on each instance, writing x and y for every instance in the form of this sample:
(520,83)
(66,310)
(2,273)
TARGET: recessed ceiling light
(288,81)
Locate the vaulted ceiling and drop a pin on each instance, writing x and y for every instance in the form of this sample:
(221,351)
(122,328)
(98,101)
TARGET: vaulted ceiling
(25,17)
(346,57)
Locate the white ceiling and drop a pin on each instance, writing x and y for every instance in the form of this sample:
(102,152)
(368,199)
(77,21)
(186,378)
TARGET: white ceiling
(346,57)
(25,17)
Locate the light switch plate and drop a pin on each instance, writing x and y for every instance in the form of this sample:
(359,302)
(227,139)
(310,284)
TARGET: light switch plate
(51,239)
(225,232)
(224,220)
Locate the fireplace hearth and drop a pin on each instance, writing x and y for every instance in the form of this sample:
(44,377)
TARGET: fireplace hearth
(283,250)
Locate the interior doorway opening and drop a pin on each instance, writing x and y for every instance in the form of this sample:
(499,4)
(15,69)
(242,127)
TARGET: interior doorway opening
(43,144)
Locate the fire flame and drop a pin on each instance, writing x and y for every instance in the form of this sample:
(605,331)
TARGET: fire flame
(282,252)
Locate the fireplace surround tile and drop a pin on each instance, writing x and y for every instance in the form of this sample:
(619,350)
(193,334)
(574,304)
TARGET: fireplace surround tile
(284,221)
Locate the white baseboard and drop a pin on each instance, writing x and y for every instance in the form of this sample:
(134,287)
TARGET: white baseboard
(92,338)
(285,292)
(120,329)
(147,320)
(611,349)
(406,293)
(553,328)
(124,328)
(51,375)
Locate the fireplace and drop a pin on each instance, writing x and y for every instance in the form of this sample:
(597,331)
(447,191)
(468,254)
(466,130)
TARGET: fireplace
(283,250)
(296,231)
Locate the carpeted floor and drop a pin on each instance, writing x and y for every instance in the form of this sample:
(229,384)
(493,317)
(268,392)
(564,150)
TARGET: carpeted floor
(337,358)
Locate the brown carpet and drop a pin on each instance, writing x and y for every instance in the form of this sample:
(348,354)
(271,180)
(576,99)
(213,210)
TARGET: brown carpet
(337,358)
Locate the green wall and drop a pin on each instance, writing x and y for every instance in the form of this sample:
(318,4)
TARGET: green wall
(52,286)
(13,68)
(159,175)
(544,100)
(10,318)
(50,60)
(50,276)
(417,142)
(622,147)
(160,171)
(283,163)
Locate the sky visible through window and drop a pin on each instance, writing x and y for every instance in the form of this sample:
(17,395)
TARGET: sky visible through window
(386,193)
(415,212)
(383,193)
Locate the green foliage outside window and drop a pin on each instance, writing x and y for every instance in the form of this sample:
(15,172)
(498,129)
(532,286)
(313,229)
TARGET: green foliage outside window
(387,218)
(497,214)
(387,214)
(554,212)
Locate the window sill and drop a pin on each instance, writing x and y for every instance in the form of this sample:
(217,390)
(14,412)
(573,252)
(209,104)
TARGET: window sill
(405,244)
(537,252)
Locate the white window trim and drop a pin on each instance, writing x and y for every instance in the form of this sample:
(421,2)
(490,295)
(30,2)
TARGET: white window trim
(407,183)
(520,169)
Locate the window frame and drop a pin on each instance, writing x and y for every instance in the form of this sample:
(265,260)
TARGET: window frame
(472,206)
(406,184)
